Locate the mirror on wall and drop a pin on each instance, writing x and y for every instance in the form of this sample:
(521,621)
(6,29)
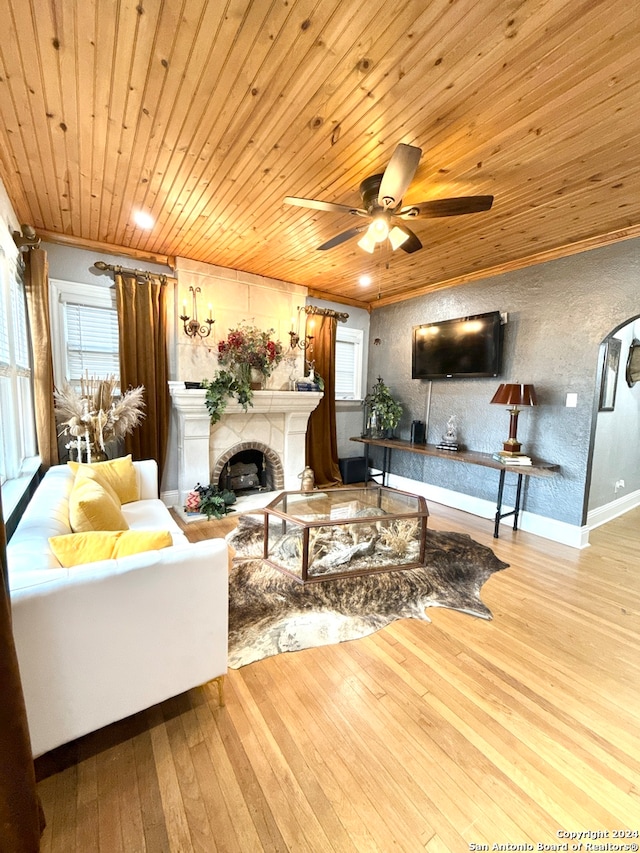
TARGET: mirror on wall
(633,363)
(609,376)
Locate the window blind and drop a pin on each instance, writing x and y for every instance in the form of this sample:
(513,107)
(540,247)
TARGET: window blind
(345,369)
(92,341)
(19,313)
(4,337)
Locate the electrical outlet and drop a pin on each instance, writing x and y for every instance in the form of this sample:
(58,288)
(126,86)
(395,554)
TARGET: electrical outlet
(619,485)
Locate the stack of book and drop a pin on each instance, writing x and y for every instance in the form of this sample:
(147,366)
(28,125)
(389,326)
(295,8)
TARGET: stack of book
(511,459)
(448,445)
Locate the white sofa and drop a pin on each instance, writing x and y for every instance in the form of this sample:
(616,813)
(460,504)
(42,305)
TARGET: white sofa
(101,641)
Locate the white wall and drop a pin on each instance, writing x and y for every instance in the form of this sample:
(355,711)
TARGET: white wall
(235,297)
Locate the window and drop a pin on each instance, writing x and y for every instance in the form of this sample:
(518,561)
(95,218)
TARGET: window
(84,323)
(17,426)
(349,346)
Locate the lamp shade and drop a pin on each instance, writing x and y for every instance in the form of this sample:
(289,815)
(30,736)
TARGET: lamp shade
(510,394)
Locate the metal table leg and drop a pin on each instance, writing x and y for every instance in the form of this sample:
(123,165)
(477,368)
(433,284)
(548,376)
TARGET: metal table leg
(515,511)
(386,464)
(499,504)
(517,507)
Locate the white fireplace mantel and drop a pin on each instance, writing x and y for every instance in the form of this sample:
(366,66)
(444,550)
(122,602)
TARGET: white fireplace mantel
(276,418)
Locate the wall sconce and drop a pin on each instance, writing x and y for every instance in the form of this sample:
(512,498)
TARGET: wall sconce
(192,325)
(296,342)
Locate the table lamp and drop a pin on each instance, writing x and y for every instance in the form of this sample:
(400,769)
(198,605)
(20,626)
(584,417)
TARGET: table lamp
(515,397)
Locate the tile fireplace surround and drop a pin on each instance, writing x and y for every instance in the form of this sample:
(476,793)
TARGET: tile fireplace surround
(276,424)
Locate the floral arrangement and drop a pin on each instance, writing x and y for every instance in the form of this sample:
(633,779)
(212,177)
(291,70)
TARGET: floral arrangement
(248,345)
(93,416)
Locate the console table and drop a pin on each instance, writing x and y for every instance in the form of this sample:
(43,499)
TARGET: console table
(538,468)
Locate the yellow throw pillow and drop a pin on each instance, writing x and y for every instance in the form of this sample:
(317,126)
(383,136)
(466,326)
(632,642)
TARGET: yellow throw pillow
(119,473)
(91,508)
(88,472)
(135,541)
(76,549)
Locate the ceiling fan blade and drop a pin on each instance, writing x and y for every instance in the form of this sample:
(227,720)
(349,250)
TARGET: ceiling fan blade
(413,243)
(328,206)
(447,207)
(343,237)
(398,175)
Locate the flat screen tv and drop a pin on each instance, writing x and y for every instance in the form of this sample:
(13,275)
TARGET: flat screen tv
(467,347)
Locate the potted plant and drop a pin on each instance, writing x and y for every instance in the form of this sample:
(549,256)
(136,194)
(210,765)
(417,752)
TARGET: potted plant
(210,501)
(383,413)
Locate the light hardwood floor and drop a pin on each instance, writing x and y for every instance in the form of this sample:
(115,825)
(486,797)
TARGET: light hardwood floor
(423,737)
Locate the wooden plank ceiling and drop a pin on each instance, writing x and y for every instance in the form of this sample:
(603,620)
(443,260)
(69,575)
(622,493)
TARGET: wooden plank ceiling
(207,114)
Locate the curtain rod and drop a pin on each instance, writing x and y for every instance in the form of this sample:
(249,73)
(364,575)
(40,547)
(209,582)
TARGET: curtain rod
(146,275)
(326,312)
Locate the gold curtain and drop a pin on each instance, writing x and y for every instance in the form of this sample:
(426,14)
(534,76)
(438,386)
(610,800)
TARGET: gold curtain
(143,361)
(21,815)
(37,290)
(322,443)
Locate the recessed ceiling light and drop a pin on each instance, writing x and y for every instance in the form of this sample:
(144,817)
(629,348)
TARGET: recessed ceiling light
(143,220)
(365,280)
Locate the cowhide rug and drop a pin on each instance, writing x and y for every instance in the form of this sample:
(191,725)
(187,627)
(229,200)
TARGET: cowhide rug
(270,613)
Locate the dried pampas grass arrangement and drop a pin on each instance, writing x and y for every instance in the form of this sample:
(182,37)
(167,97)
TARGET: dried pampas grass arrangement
(94,415)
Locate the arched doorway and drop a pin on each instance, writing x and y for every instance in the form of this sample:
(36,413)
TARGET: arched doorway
(614,479)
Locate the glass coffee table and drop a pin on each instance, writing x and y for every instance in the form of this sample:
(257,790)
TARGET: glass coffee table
(344,532)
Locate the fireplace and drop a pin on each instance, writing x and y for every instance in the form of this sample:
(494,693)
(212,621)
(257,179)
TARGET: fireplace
(248,468)
(275,426)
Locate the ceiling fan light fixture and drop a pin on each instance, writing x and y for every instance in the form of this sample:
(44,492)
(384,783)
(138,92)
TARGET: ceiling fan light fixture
(379,229)
(397,237)
(368,242)
(382,196)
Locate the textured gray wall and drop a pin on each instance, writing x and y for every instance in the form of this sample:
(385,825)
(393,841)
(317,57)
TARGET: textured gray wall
(558,314)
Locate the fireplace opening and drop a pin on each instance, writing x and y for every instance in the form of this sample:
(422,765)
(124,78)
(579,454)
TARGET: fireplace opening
(259,468)
(246,472)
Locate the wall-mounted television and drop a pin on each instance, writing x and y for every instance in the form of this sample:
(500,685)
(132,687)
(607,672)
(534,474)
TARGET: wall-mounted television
(467,347)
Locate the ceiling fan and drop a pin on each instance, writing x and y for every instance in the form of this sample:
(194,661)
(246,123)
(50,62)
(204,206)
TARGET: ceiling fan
(382,206)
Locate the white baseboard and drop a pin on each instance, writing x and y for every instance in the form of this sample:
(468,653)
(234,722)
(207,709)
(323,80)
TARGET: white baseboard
(612,510)
(170,498)
(539,525)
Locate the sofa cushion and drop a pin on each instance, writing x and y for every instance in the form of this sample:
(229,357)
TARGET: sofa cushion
(91,508)
(152,514)
(119,473)
(76,549)
(88,472)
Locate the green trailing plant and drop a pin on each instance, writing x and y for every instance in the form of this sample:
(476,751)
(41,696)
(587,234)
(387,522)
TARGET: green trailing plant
(215,502)
(221,388)
(384,412)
